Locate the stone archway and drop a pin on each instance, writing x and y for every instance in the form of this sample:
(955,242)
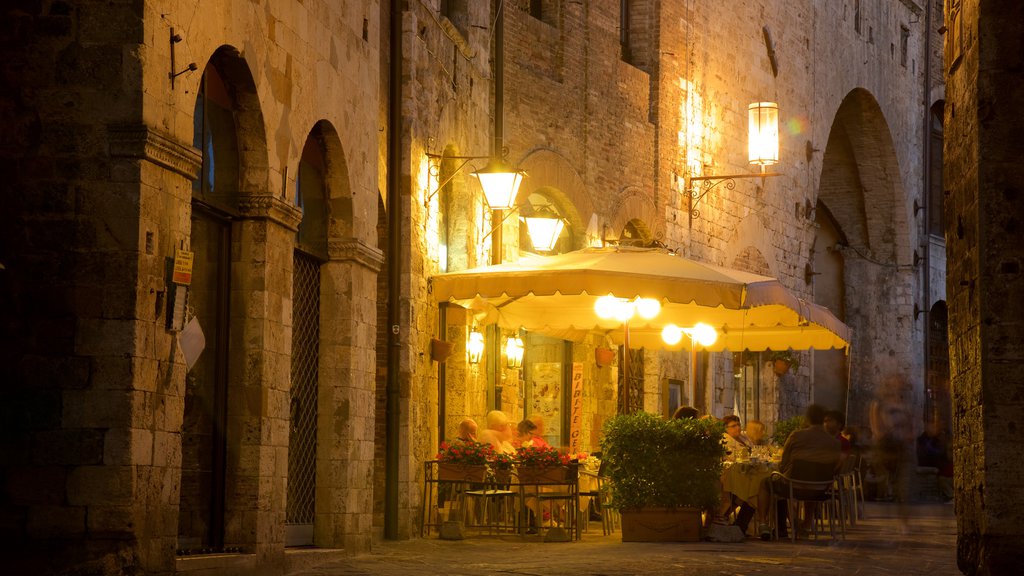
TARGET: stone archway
(864,234)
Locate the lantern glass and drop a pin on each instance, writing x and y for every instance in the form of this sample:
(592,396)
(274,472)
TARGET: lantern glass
(475,347)
(544,231)
(763,133)
(500,183)
(514,352)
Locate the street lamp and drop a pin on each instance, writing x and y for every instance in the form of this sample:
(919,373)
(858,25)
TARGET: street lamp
(762,150)
(500,183)
(544,228)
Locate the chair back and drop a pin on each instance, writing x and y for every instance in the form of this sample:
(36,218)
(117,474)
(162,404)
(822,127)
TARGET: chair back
(808,471)
(811,480)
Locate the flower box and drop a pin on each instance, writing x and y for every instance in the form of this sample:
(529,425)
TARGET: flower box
(661,525)
(452,472)
(549,475)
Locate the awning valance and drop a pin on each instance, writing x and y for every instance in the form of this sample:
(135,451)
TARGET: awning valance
(555,295)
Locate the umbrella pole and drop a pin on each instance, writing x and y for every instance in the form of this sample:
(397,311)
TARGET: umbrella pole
(693,375)
(626,384)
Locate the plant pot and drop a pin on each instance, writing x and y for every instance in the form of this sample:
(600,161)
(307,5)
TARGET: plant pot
(780,367)
(452,472)
(603,356)
(661,525)
(440,350)
(549,475)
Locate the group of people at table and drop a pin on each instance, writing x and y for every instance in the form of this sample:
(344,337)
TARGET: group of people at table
(747,481)
(502,435)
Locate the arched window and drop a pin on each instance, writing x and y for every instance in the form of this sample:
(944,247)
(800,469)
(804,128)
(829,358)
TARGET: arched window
(215,135)
(311,196)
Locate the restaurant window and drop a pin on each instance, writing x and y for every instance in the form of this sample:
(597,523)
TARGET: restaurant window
(747,379)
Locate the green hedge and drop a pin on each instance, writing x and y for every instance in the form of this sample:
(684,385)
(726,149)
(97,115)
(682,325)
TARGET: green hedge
(654,462)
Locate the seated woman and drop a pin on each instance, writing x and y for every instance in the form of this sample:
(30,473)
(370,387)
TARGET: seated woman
(737,447)
(757,433)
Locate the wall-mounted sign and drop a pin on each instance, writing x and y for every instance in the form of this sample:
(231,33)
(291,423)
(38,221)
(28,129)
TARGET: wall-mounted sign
(182,267)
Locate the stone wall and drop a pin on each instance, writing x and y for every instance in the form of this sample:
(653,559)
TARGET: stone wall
(983,210)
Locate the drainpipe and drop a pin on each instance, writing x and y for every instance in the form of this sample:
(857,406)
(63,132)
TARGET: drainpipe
(926,195)
(394,204)
(498,141)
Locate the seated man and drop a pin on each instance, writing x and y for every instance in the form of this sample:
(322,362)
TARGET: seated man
(810,444)
(466,432)
(499,432)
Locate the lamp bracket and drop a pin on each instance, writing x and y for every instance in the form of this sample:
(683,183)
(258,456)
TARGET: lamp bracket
(435,171)
(514,210)
(174,73)
(709,183)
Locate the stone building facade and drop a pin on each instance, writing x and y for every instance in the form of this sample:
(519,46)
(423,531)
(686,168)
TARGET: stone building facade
(983,208)
(139,136)
(611,108)
(314,223)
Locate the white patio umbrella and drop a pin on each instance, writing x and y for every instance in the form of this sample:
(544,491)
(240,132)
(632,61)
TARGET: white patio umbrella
(555,295)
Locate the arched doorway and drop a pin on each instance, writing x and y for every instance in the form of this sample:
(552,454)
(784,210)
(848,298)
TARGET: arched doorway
(225,105)
(864,240)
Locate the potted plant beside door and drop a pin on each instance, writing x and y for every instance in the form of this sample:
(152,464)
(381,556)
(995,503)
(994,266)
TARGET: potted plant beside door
(784,361)
(663,474)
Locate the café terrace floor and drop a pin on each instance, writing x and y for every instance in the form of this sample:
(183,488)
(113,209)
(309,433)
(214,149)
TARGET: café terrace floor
(875,546)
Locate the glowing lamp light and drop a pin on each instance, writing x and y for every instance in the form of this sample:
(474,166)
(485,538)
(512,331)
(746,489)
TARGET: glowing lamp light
(514,352)
(609,307)
(703,334)
(647,308)
(671,334)
(475,347)
(763,133)
(500,183)
(544,230)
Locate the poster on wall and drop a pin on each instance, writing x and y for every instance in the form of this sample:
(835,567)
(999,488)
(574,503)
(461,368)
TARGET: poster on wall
(546,398)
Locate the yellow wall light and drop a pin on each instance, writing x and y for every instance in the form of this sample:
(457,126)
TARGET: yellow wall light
(514,352)
(763,133)
(475,347)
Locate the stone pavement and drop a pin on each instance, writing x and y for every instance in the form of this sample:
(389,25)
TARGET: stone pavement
(876,546)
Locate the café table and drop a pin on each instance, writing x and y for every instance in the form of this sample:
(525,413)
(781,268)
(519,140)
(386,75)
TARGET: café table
(743,479)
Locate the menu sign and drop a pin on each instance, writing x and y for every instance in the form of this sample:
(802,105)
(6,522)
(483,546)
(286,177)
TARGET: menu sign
(576,408)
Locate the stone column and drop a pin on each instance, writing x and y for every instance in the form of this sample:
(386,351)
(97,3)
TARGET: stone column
(260,385)
(345,442)
(984,212)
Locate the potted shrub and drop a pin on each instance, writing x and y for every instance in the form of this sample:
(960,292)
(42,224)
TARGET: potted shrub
(663,474)
(784,361)
(783,428)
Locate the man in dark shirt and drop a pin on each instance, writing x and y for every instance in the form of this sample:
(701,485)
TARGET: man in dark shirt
(810,444)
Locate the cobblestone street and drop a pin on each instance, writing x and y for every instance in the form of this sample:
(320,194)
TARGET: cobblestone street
(875,546)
